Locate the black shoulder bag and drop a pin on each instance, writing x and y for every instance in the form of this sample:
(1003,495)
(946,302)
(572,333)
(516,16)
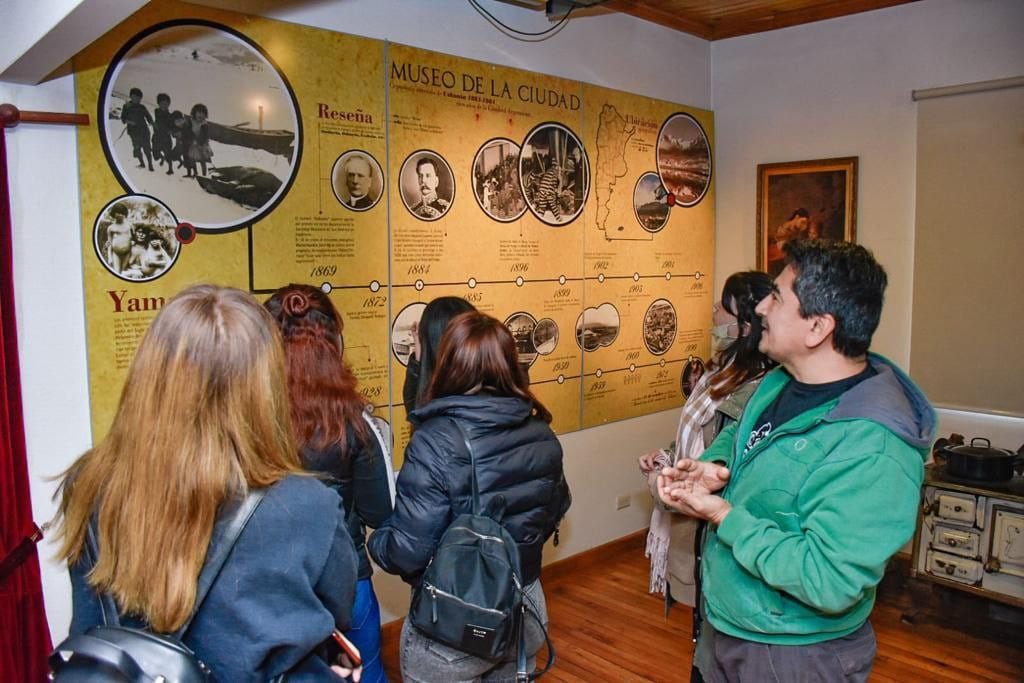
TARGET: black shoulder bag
(112,652)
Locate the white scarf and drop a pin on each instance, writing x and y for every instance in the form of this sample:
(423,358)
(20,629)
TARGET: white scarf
(698,410)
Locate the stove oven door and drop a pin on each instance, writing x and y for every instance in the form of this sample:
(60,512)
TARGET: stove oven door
(1007,540)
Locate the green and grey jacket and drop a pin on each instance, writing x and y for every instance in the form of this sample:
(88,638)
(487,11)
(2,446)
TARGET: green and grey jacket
(818,508)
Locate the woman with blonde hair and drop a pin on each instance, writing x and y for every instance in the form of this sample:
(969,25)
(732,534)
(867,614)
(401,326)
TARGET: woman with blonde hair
(203,418)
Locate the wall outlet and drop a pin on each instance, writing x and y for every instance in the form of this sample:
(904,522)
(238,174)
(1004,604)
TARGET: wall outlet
(621,502)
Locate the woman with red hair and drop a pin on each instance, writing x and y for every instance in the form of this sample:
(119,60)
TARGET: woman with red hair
(477,389)
(335,439)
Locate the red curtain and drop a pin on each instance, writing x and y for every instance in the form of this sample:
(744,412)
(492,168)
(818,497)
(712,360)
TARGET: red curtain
(24,634)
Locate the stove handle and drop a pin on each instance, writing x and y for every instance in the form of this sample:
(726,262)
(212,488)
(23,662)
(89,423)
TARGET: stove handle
(993,566)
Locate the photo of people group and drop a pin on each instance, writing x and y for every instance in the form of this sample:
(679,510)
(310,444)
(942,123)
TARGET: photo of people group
(134,238)
(554,173)
(496,180)
(200,117)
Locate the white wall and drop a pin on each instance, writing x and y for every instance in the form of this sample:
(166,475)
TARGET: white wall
(611,50)
(842,88)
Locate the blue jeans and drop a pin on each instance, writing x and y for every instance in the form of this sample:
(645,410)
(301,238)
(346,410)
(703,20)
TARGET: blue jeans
(365,631)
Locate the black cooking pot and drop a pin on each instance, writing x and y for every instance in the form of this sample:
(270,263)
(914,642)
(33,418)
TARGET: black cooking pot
(981,463)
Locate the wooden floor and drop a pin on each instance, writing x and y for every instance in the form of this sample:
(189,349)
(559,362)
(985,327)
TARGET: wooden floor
(606,627)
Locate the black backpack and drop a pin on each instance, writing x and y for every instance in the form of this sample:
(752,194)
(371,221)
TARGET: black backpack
(122,654)
(470,596)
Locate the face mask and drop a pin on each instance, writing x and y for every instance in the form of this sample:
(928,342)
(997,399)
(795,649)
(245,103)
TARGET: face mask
(720,337)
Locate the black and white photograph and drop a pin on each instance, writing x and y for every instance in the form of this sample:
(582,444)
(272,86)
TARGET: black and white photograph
(650,202)
(684,159)
(404,330)
(357,180)
(197,115)
(134,237)
(660,324)
(692,372)
(545,336)
(427,185)
(522,325)
(554,173)
(597,327)
(496,180)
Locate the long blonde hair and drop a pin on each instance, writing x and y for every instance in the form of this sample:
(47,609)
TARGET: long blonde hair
(203,416)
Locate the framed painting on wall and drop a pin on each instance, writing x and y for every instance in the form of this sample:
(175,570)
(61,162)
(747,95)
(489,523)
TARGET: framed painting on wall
(804,199)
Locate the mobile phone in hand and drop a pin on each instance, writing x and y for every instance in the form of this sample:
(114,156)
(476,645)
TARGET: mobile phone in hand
(340,644)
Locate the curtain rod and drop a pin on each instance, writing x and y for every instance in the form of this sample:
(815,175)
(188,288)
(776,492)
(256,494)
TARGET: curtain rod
(11,116)
(980,86)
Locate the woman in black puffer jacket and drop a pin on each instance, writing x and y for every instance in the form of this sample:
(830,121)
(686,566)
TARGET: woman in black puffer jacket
(478,382)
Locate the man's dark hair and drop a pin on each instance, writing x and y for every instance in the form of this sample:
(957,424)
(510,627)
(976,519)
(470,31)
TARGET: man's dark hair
(119,209)
(426,160)
(135,91)
(163,97)
(802,212)
(843,280)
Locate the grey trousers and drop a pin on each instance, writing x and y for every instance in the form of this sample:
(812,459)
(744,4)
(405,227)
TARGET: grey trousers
(728,660)
(427,661)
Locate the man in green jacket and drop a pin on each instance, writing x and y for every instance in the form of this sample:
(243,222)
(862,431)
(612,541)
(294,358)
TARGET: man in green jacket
(814,489)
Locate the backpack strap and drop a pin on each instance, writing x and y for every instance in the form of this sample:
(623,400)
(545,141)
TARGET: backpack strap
(382,433)
(522,675)
(472,466)
(226,531)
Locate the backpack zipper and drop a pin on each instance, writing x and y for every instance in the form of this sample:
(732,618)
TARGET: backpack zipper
(497,539)
(435,591)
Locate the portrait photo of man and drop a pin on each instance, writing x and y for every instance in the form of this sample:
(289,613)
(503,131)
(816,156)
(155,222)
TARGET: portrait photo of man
(357,181)
(428,185)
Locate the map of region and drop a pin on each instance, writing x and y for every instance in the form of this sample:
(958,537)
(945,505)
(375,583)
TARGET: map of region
(612,135)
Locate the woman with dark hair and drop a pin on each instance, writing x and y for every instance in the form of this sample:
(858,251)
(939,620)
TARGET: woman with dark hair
(335,439)
(478,389)
(718,397)
(427,339)
(201,423)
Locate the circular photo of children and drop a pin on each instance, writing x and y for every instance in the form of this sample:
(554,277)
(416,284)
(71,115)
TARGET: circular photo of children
(404,331)
(650,203)
(496,180)
(545,336)
(427,185)
(660,325)
(134,238)
(357,180)
(692,372)
(684,159)
(196,114)
(554,173)
(522,325)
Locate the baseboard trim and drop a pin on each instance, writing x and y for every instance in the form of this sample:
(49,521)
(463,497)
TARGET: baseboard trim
(633,542)
(392,631)
(598,554)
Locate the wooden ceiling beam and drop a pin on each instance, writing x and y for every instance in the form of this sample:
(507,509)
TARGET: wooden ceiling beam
(651,12)
(757,21)
(715,22)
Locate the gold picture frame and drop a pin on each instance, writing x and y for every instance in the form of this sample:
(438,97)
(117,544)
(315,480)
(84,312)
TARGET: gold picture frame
(796,199)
